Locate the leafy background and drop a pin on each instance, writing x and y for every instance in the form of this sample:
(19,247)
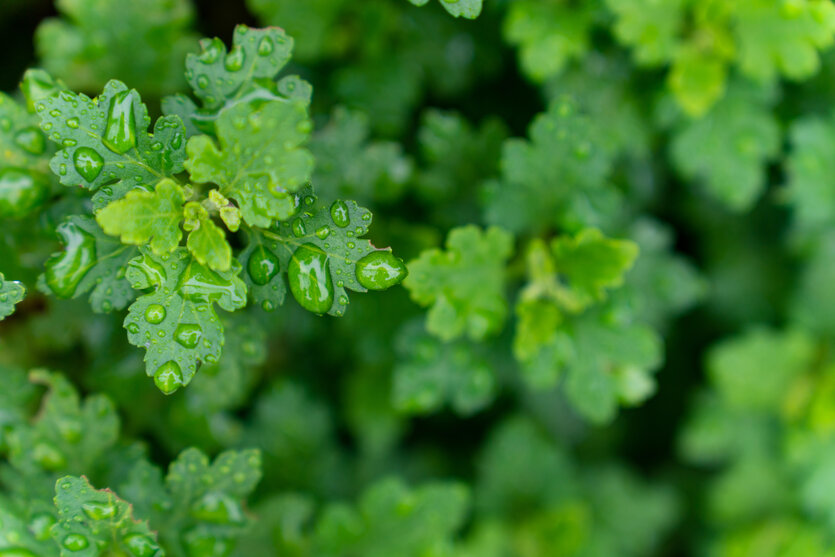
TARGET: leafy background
(473,413)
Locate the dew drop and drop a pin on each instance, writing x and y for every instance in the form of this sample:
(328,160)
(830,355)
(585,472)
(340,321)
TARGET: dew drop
(265,47)
(72,123)
(88,163)
(339,214)
(140,546)
(235,59)
(217,508)
(75,542)
(267,305)
(20,192)
(298,228)
(202,81)
(31,140)
(262,266)
(65,270)
(154,314)
(310,279)
(120,132)
(168,377)
(380,270)
(133,328)
(323,232)
(98,511)
(188,335)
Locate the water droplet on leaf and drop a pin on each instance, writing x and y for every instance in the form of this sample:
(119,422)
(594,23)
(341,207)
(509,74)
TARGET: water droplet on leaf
(380,270)
(31,140)
(75,542)
(262,266)
(154,314)
(188,335)
(120,132)
(339,214)
(66,269)
(168,377)
(98,511)
(88,163)
(310,279)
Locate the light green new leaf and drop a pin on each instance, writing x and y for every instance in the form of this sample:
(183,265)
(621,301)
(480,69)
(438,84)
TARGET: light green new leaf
(206,240)
(105,144)
(322,254)
(11,293)
(91,261)
(729,148)
(469,9)
(431,373)
(391,519)
(176,323)
(592,263)
(777,38)
(464,285)
(141,42)
(221,79)
(143,217)
(92,522)
(697,79)
(260,161)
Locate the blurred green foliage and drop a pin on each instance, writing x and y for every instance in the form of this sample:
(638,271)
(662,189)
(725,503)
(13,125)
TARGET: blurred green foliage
(616,333)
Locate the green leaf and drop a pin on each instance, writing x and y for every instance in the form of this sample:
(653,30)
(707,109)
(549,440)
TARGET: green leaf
(66,436)
(469,9)
(140,42)
(810,187)
(90,262)
(176,322)
(755,370)
(782,37)
(729,148)
(391,519)
(310,23)
(105,144)
(143,217)
(322,253)
(557,178)
(697,79)
(24,184)
(549,35)
(11,293)
(592,263)
(465,284)
(92,522)
(651,28)
(260,161)
(222,79)
(199,508)
(206,240)
(431,374)
(350,165)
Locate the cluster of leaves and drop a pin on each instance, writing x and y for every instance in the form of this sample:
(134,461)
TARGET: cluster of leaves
(477,411)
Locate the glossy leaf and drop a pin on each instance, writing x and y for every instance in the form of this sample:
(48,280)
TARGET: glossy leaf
(176,321)
(260,161)
(105,144)
(92,521)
